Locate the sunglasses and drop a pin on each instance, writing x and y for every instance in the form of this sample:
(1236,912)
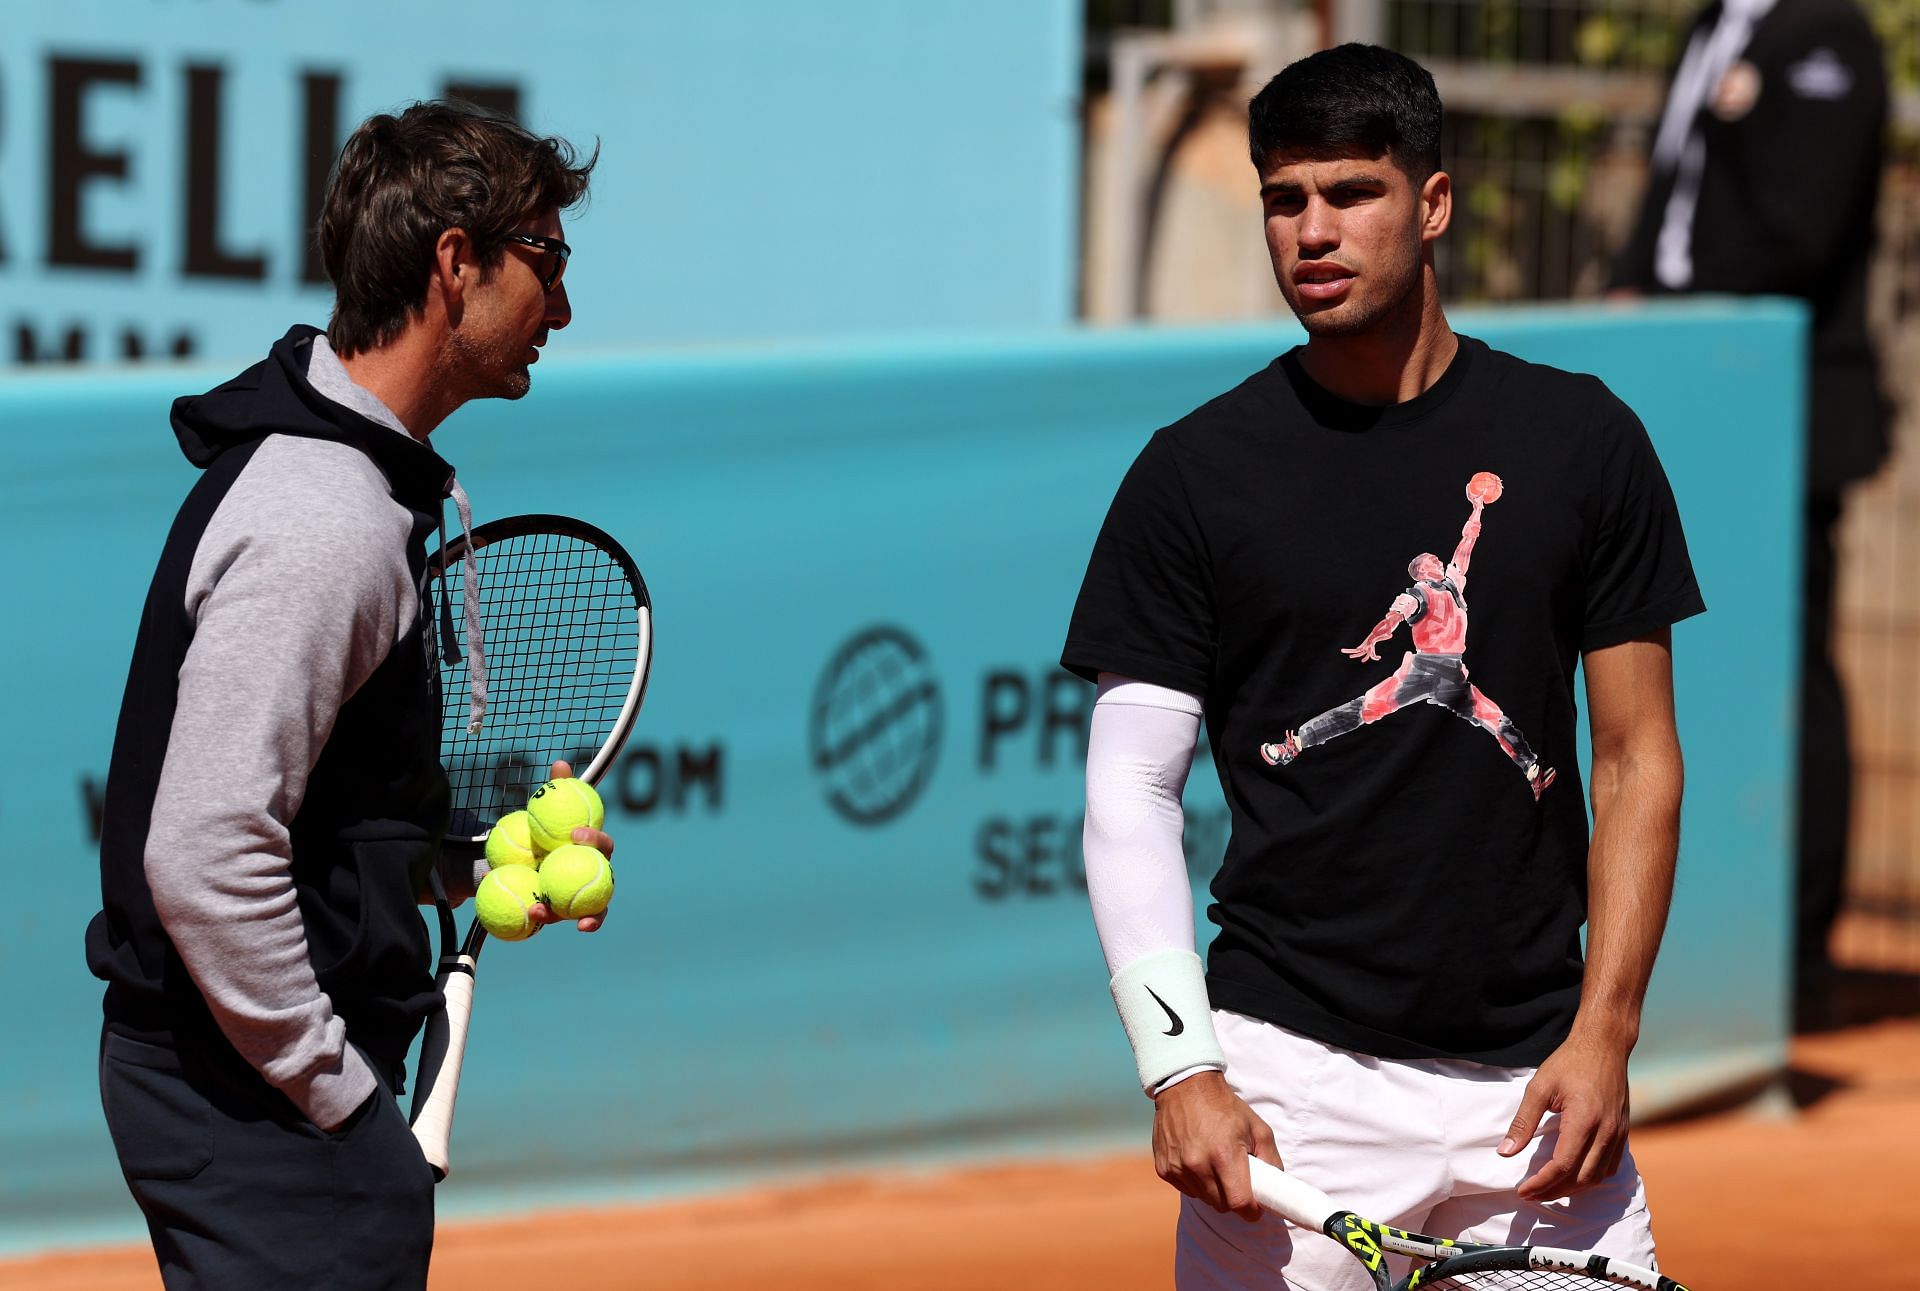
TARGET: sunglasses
(553,261)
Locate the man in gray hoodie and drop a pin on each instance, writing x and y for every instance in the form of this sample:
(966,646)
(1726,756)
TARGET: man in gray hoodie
(276,801)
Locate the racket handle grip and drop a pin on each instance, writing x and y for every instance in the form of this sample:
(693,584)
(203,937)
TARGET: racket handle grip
(1290,1198)
(442,1051)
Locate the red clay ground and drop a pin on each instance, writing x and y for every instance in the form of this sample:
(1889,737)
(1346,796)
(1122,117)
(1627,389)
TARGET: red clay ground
(1803,1204)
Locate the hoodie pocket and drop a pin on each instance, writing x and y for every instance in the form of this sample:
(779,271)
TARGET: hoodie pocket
(162,1126)
(373,944)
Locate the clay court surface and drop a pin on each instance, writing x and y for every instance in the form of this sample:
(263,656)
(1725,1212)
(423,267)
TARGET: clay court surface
(1822,1199)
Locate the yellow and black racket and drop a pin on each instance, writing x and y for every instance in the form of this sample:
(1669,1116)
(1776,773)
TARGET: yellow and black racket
(1443,1265)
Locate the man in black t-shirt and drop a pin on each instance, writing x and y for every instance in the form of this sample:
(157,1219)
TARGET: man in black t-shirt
(1396,1002)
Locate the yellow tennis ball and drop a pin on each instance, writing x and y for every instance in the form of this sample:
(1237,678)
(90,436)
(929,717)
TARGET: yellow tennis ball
(509,843)
(559,807)
(503,900)
(577,881)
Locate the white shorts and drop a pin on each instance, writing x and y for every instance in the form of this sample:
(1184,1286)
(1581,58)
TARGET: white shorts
(1407,1142)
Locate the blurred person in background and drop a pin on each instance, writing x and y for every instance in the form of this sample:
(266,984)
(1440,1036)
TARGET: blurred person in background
(1396,1005)
(1764,180)
(276,801)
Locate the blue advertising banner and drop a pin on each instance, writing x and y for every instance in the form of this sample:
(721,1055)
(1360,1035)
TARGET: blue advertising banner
(766,169)
(851,925)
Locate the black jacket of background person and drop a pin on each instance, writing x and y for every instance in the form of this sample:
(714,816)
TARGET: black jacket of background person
(1786,208)
(374,807)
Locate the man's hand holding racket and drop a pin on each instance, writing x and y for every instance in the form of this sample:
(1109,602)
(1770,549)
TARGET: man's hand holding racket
(1443,1263)
(599,840)
(1202,1136)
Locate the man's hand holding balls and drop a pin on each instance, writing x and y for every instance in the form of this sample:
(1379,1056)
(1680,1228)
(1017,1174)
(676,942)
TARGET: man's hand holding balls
(563,817)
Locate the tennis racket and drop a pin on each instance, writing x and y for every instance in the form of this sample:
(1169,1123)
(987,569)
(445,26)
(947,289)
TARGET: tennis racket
(1450,1266)
(568,633)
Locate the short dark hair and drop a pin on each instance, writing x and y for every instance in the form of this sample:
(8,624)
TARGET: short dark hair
(402,181)
(1352,98)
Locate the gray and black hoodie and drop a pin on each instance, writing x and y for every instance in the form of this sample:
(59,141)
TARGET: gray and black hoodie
(276,799)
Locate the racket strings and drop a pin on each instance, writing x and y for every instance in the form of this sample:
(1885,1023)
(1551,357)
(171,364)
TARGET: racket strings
(562,642)
(1514,1280)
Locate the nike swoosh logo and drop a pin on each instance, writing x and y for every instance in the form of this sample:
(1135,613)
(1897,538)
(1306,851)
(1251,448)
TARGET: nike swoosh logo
(1178,1025)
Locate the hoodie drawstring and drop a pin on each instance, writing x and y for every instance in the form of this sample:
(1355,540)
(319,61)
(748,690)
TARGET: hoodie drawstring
(470,602)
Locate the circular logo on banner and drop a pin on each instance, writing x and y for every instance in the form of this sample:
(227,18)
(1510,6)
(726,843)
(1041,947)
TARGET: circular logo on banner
(875,728)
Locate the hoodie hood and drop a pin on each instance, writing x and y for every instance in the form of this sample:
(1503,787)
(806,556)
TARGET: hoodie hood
(273,397)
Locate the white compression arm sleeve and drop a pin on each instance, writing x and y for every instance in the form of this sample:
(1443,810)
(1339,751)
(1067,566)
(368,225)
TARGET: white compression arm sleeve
(1139,751)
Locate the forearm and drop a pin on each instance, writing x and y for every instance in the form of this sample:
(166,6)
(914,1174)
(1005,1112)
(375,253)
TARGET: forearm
(1139,751)
(1385,628)
(1469,534)
(1138,756)
(1630,871)
(219,864)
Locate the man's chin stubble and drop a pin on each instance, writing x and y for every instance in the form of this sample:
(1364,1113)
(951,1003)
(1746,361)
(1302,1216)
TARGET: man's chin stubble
(1336,322)
(1331,325)
(513,382)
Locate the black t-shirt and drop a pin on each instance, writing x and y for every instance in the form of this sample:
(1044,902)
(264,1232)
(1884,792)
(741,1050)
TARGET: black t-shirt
(1392,885)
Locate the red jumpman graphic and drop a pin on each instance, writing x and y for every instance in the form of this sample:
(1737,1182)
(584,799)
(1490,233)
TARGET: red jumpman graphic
(1434,672)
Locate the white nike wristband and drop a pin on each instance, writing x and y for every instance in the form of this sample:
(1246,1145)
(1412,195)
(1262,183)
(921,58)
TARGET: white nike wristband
(1162,1000)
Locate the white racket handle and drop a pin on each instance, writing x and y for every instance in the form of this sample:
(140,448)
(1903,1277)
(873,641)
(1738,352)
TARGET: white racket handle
(441,1054)
(1289,1198)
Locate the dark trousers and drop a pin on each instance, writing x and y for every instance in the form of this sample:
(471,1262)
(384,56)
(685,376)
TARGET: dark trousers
(242,1191)
(1826,766)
